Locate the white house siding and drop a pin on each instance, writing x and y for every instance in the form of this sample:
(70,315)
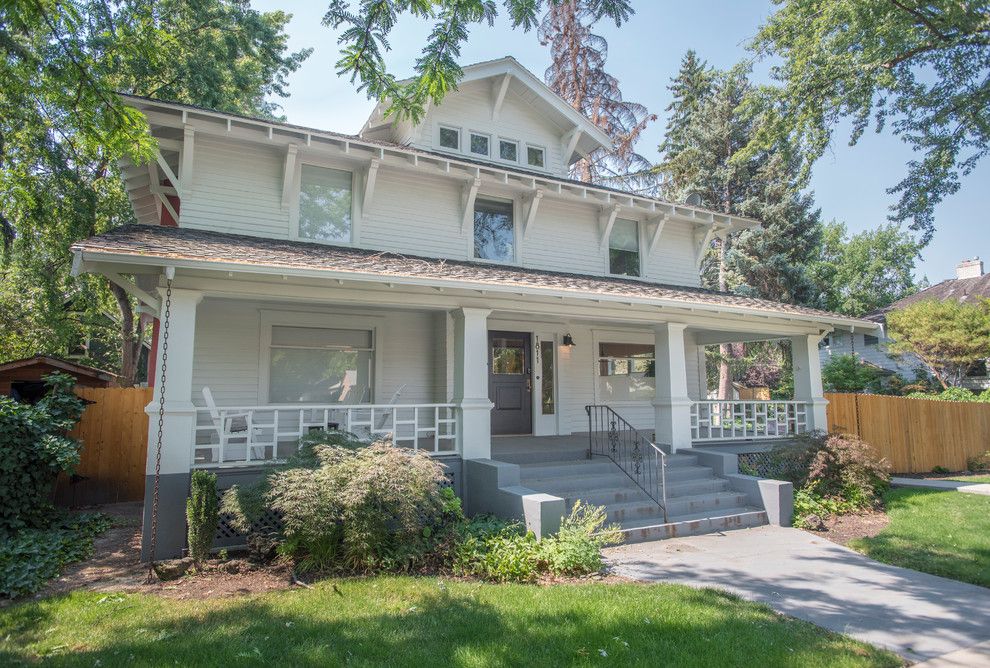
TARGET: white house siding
(673,261)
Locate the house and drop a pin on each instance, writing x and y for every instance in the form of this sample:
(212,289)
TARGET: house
(970,284)
(23,379)
(444,283)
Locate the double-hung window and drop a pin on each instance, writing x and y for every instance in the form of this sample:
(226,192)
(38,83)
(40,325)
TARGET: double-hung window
(626,372)
(494,230)
(320,365)
(325,204)
(623,248)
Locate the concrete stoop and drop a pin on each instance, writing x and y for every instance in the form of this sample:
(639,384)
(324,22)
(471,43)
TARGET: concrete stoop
(698,502)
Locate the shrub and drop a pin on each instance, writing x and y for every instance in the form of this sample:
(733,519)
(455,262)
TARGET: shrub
(847,373)
(32,557)
(202,515)
(979,463)
(34,449)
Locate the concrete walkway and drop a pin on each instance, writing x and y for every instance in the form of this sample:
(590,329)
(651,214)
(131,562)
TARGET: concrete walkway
(918,616)
(945,485)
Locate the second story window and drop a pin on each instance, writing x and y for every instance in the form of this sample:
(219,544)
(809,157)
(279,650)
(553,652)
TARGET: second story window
(480,144)
(324,204)
(508,150)
(450,138)
(494,230)
(535,156)
(623,248)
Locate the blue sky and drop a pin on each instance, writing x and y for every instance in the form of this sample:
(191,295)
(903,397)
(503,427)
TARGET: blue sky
(849,182)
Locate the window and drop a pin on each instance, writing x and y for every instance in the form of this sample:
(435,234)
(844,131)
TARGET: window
(324,204)
(450,138)
(547,403)
(977,369)
(623,248)
(319,365)
(535,156)
(626,372)
(508,150)
(494,230)
(508,356)
(870,340)
(479,143)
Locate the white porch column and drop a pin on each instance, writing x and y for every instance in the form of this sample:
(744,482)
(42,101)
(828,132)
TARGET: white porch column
(808,379)
(177,425)
(471,382)
(672,403)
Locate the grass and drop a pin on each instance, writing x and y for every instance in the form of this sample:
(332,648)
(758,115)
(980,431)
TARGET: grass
(972,478)
(942,533)
(403,621)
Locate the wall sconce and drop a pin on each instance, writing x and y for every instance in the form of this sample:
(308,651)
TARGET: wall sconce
(568,341)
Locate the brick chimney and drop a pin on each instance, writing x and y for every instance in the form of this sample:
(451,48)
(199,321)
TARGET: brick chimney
(970,268)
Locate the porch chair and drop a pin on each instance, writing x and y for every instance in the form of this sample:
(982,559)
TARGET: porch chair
(382,418)
(232,426)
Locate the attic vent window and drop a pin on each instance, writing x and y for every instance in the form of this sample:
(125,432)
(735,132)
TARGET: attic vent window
(535,156)
(450,138)
(479,143)
(508,150)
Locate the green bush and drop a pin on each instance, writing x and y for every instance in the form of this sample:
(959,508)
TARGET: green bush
(32,557)
(34,449)
(953,394)
(847,373)
(202,515)
(979,463)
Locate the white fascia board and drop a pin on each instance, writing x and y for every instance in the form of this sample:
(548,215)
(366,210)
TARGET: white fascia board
(89,259)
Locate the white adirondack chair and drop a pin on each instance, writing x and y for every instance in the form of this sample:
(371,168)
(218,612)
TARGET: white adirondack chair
(232,427)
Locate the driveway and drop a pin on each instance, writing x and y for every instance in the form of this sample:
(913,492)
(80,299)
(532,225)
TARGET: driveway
(918,616)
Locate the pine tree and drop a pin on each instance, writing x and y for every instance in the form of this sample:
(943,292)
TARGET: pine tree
(578,75)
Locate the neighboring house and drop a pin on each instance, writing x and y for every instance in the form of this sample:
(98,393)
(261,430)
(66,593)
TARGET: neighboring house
(442,282)
(23,379)
(970,284)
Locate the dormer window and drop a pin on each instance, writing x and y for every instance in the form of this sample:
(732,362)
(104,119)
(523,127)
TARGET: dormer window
(508,150)
(535,156)
(450,138)
(480,144)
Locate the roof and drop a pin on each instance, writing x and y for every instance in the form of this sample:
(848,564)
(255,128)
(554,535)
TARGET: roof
(196,248)
(966,290)
(66,365)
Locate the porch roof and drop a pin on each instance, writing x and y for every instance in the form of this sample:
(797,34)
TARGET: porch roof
(191,248)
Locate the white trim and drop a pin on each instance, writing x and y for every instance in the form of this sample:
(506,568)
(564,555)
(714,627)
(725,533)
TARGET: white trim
(460,138)
(499,89)
(508,140)
(540,148)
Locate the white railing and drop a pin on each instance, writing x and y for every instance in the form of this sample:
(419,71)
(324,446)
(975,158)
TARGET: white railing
(252,435)
(741,420)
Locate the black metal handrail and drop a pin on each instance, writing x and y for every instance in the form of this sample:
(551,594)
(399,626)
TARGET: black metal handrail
(610,435)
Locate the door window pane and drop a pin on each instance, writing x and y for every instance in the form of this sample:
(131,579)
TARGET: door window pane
(626,372)
(494,231)
(450,138)
(479,144)
(324,204)
(623,248)
(508,150)
(508,356)
(547,402)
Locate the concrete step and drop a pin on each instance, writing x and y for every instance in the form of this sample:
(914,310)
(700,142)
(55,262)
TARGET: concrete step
(565,468)
(638,531)
(642,506)
(606,496)
(541,455)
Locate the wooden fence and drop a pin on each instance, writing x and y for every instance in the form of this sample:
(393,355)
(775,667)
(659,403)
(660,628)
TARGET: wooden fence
(915,435)
(114,435)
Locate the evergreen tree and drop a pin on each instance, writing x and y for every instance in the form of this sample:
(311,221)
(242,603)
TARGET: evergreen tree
(690,87)
(578,75)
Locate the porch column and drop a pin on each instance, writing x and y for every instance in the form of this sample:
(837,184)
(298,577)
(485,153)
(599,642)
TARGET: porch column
(808,379)
(474,426)
(672,403)
(177,428)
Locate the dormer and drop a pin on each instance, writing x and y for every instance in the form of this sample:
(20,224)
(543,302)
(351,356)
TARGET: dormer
(500,114)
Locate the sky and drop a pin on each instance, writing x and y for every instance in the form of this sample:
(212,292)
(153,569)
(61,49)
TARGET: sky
(849,183)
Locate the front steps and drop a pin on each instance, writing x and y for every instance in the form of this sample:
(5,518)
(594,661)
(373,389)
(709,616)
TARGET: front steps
(698,502)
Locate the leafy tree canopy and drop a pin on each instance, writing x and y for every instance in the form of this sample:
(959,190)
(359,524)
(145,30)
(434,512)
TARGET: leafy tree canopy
(922,68)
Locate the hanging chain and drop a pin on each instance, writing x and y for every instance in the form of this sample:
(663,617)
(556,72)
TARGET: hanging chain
(161,428)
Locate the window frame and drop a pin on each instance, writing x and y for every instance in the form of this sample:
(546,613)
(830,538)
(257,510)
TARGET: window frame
(460,138)
(508,141)
(471,135)
(639,250)
(540,148)
(599,336)
(516,238)
(327,320)
(356,206)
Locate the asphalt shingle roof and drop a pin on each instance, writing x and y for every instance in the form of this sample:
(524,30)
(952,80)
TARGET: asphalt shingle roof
(173,243)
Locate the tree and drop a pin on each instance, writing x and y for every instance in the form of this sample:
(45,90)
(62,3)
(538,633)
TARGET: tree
(847,373)
(919,67)
(867,271)
(63,129)
(365,32)
(947,336)
(578,75)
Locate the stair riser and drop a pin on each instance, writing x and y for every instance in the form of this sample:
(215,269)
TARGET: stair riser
(541,456)
(603,498)
(566,470)
(695,527)
(647,508)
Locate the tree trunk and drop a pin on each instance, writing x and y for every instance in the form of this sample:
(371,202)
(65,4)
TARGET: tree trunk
(131,338)
(725,349)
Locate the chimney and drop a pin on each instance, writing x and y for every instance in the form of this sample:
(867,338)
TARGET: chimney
(970,268)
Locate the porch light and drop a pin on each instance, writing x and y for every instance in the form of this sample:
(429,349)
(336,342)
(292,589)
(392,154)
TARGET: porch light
(568,341)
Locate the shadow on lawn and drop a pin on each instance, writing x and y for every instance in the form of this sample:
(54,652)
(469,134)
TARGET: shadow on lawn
(321,627)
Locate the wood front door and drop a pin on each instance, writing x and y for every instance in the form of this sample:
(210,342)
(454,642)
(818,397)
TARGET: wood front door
(510,384)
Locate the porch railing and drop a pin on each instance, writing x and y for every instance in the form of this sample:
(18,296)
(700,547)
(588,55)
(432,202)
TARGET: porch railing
(639,458)
(250,435)
(742,420)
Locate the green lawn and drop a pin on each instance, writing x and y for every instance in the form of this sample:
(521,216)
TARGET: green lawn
(943,533)
(972,478)
(399,621)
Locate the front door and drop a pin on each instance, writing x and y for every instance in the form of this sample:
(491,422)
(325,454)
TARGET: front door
(510,385)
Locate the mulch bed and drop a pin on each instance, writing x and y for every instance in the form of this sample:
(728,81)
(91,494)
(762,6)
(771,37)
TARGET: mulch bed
(842,529)
(941,476)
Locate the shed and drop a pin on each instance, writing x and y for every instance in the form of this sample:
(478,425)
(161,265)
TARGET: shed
(23,379)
